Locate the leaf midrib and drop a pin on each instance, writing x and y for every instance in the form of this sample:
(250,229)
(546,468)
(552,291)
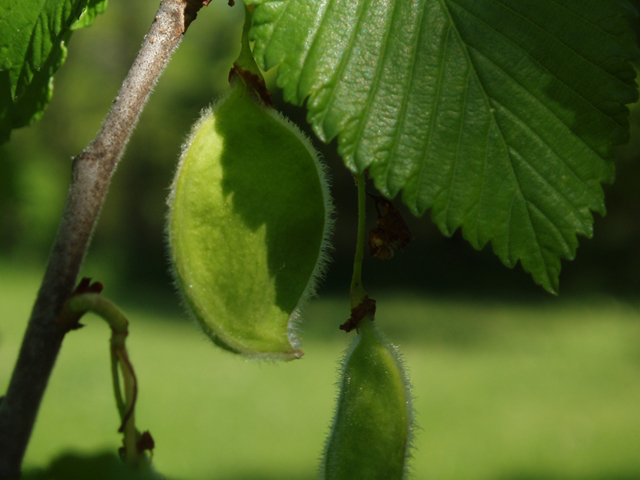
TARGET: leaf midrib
(375,87)
(504,143)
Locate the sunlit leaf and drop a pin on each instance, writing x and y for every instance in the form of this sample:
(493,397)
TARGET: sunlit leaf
(499,116)
(33,37)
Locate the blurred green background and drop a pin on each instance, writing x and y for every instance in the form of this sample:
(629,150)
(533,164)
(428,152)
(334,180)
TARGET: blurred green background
(510,383)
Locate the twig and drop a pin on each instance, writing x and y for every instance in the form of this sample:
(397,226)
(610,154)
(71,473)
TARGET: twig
(91,175)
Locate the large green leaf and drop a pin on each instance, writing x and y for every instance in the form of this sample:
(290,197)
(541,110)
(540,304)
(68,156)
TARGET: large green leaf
(33,37)
(498,115)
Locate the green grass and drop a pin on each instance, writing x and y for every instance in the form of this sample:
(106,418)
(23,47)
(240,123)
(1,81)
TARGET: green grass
(502,392)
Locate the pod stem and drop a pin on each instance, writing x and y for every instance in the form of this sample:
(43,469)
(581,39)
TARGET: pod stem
(77,306)
(358,293)
(362,307)
(246,69)
(245,59)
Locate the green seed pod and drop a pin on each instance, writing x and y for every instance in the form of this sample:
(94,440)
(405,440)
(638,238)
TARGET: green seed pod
(248,223)
(373,421)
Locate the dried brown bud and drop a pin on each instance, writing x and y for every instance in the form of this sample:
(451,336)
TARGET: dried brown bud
(366,307)
(253,81)
(392,231)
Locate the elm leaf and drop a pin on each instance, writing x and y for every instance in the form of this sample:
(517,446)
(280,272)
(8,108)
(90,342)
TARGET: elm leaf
(499,116)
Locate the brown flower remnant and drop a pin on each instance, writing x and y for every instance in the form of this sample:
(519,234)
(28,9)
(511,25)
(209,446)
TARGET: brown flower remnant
(392,231)
(254,81)
(366,308)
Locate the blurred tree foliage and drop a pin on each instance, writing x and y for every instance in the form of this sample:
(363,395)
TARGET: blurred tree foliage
(35,165)
(129,246)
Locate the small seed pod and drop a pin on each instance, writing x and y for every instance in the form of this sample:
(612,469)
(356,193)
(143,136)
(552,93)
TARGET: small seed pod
(372,426)
(248,224)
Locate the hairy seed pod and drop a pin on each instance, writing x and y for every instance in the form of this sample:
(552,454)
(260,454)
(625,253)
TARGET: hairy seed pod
(248,223)
(372,426)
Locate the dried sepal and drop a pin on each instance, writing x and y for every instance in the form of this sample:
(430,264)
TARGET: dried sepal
(392,232)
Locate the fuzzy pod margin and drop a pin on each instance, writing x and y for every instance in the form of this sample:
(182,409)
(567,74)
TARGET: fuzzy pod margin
(248,225)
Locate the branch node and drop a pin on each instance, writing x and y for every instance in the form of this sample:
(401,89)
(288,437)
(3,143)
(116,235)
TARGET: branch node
(67,317)
(366,308)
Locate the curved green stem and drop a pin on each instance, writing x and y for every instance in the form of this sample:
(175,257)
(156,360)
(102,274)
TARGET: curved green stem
(95,303)
(121,404)
(131,435)
(358,293)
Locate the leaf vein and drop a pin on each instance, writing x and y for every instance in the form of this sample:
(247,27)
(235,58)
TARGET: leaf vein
(525,126)
(276,21)
(375,87)
(436,102)
(551,223)
(402,114)
(534,59)
(568,203)
(480,198)
(458,145)
(585,20)
(538,244)
(338,73)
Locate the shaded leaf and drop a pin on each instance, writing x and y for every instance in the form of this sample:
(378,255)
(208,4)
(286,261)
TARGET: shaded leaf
(499,116)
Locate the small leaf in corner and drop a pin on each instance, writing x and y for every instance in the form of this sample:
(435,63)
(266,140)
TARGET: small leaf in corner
(33,38)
